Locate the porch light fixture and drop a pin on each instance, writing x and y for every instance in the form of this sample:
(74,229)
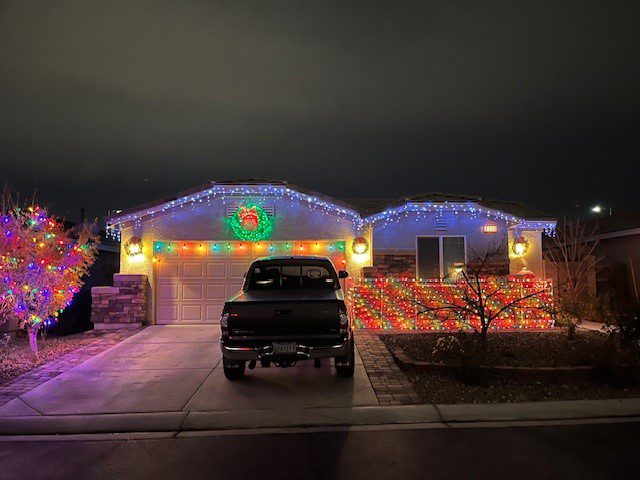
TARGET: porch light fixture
(133,246)
(360,245)
(519,247)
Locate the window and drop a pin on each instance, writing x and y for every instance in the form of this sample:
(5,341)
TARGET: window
(440,257)
(274,277)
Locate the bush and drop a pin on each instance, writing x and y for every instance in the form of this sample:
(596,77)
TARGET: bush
(619,362)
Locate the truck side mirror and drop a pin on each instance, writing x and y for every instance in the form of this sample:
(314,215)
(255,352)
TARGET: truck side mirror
(343,274)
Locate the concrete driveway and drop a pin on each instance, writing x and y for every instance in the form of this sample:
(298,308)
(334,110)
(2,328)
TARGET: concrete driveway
(179,368)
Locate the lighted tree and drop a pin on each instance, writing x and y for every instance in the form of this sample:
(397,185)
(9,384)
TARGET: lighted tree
(42,264)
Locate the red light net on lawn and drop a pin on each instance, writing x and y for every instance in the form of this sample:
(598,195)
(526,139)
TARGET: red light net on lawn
(405,304)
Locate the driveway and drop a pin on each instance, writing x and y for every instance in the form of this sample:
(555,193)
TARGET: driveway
(179,368)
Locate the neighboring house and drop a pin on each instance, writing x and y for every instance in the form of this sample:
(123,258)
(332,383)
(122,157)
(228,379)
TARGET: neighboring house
(619,245)
(182,256)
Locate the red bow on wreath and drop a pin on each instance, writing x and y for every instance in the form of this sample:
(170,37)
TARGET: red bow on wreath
(249,218)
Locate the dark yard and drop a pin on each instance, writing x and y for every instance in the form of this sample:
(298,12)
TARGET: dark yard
(466,383)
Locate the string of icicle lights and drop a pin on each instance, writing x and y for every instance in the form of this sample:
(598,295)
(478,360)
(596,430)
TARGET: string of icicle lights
(395,214)
(114,223)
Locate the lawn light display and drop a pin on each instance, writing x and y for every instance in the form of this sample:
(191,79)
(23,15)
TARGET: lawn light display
(251,223)
(397,303)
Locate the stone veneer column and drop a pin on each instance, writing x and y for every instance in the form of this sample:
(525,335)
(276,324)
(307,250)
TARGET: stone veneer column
(123,305)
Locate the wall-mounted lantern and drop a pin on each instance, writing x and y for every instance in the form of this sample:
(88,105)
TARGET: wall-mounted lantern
(360,245)
(519,247)
(133,246)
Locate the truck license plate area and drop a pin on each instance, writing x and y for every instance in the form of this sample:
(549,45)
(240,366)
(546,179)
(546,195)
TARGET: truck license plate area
(285,348)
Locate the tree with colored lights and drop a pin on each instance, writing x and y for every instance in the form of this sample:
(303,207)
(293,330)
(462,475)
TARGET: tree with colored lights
(42,264)
(477,297)
(573,253)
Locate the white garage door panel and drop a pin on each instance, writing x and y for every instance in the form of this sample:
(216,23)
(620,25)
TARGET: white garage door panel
(192,269)
(216,269)
(213,313)
(167,314)
(237,270)
(167,269)
(192,313)
(217,292)
(192,289)
(233,288)
(167,291)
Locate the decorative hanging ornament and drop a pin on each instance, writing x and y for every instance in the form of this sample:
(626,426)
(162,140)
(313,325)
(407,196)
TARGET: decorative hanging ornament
(133,246)
(520,247)
(251,223)
(360,245)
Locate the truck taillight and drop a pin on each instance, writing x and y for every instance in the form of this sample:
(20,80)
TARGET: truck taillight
(224,320)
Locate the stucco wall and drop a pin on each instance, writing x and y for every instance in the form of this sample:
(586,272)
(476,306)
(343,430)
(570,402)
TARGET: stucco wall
(401,234)
(293,220)
(532,259)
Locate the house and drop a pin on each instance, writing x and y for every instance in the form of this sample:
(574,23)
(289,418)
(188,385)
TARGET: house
(182,256)
(618,239)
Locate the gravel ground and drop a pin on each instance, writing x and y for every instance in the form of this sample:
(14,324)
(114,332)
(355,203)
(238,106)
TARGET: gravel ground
(18,357)
(525,349)
(438,388)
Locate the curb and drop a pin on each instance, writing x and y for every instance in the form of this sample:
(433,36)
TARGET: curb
(321,417)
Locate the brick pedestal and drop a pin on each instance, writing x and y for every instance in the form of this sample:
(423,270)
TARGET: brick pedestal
(123,305)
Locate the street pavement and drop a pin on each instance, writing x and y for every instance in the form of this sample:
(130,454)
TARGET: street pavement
(587,451)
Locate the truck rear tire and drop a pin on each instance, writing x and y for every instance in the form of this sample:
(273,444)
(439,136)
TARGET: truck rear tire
(348,366)
(233,369)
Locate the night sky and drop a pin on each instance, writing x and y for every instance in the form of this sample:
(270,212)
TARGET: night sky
(106,105)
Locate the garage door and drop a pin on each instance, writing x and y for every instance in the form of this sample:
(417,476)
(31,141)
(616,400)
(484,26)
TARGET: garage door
(193,290)
(194,279)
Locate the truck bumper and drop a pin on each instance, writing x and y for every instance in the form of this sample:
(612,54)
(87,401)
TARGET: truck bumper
(265,352)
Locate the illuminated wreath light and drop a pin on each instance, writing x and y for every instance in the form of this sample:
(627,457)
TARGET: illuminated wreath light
(360,245)
(133,246)
(251,223)
(520,247)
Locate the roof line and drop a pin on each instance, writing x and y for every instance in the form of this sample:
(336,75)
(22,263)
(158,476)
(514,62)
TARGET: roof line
(341,207)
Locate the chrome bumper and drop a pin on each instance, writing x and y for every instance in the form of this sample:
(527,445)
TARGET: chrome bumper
(303,352)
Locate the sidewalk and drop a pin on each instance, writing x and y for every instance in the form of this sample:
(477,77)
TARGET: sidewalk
(406,415)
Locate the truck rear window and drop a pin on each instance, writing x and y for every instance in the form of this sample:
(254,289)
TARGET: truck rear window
(270,277)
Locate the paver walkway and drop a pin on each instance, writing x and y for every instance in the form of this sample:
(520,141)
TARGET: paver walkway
(391,385)
(39,375)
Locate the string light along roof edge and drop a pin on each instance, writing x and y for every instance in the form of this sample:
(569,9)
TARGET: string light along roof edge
(346,210)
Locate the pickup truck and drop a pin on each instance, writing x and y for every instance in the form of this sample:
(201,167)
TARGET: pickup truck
(289,309)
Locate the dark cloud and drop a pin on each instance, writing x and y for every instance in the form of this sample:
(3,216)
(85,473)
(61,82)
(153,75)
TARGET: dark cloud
(108,104)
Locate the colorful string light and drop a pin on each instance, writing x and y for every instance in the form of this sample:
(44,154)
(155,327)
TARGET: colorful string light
(406,304)
(41,265)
